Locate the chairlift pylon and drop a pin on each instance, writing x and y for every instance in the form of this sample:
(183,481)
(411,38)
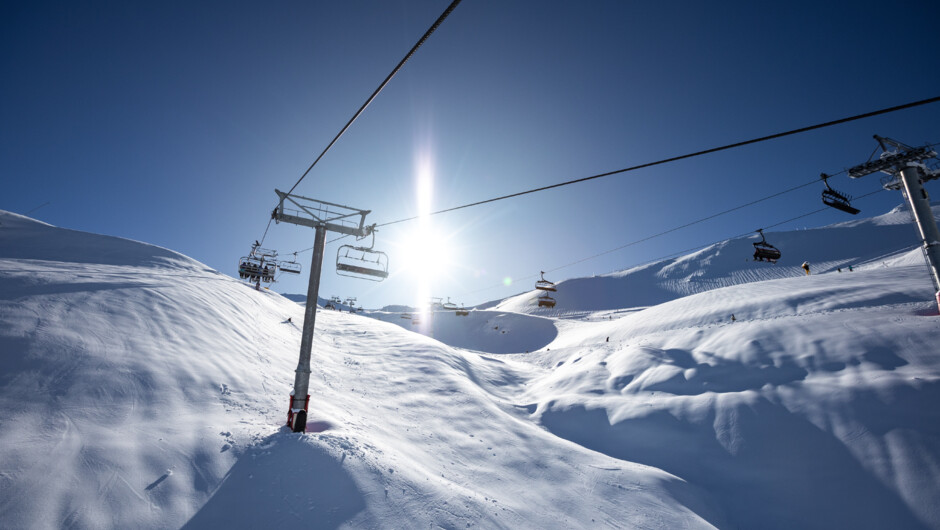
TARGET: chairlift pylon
(833,198)
(544,284)
(764,251)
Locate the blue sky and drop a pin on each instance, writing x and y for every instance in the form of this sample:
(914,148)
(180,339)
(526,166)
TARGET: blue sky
(173,123)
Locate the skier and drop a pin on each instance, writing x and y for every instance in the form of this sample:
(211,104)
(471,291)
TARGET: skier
(805,266)
(732,318)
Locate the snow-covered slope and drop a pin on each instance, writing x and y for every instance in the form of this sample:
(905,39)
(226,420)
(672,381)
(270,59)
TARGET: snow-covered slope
(856,243)
(138,388)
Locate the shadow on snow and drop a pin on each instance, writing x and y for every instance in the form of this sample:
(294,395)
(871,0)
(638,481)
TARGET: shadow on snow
(286,481)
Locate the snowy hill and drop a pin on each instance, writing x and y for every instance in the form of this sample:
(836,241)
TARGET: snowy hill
(856,242)
(139,388)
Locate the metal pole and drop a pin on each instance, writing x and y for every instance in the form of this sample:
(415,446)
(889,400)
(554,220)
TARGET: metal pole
(926,224)
(297,416)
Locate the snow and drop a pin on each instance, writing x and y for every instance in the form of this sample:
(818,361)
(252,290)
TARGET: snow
(140,388)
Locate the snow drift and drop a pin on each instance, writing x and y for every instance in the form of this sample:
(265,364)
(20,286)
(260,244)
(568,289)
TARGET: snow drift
(139,388)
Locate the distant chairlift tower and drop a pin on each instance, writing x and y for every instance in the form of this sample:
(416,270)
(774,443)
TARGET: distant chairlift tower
(322,216)
(907,172)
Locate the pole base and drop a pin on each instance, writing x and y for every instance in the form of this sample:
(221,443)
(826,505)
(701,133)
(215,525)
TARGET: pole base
(299,421)
(297,418)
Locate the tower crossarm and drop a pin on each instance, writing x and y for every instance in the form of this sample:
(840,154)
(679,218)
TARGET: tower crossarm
(304,211)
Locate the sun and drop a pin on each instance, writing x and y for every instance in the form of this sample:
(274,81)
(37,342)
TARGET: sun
(426,256)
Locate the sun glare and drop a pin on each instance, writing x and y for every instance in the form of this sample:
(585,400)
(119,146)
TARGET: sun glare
(424,253)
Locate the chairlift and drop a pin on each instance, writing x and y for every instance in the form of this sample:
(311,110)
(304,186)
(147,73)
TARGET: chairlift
(764,251)
(435,303)
(406,315)
(362,262)
(463,311)
(291,266)
(267,272)
(259,265)
(544,284)
(833,198)
(546,301)
(448,305)
(249,268)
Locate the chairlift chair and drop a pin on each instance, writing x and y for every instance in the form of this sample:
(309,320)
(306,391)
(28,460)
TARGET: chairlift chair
(292,266)
(267,271)
(544,284)
(839,201)
(259,265)
(463,311)
(448,305)
(361,262)
(248,268)
(546,301)
(406,315)
(764,251)
(254,269)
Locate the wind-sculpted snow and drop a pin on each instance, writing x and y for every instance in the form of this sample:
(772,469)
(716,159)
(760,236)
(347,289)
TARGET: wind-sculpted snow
(148,392)
(143,396)
(484,331)
(818,399)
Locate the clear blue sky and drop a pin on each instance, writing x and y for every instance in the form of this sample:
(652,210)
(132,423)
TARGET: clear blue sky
(173,122)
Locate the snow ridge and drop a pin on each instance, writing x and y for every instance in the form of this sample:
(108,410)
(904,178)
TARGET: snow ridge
(138,388)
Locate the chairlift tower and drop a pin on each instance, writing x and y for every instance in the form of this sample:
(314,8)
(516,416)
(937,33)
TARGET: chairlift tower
(323,217)
(907,172)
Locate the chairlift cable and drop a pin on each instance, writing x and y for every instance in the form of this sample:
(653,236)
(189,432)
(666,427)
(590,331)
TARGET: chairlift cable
(375,93)
(261,241)
(681,252)
(660,234)
(401,63)
(681,157)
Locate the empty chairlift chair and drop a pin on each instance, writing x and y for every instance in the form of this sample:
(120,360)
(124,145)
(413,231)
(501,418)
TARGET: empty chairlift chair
(764,251)
(544,284)
(360,262)
(448,305)
(839,201)
(292,266)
